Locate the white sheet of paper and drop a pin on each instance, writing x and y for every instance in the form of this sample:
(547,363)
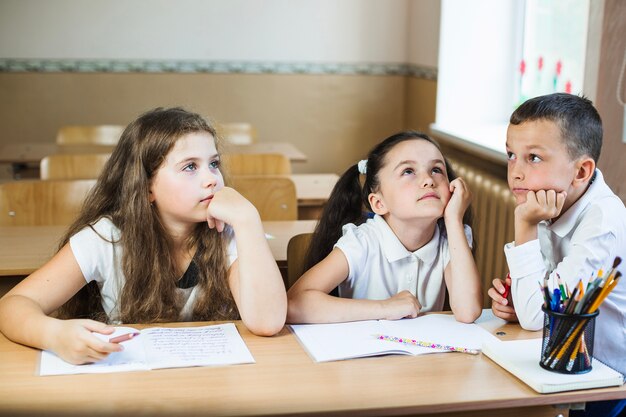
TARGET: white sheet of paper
(161,347)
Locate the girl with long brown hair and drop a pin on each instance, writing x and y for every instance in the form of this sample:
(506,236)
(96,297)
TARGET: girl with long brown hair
(160,238)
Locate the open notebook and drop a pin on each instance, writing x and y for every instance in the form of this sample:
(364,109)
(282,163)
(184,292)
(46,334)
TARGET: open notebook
(338,341)
(521,358)
(161,347)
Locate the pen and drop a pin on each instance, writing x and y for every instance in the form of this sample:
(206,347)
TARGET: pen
(409,341)
(123,338)
(507,286)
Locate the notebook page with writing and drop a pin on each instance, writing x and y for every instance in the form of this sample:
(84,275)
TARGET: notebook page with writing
(521,358)
(160,347)
(195,346)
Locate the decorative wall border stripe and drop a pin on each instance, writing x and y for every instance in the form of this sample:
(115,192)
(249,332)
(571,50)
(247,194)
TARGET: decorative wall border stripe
(220,67)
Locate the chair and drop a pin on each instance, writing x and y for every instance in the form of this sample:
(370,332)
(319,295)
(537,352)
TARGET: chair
(42,203)
(273,196)
(104,135)
(72,166)
(296,252)
(237,133)
(256,164)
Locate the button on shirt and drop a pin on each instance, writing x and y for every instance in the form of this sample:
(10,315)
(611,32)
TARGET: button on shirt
(587,237)
(380,266)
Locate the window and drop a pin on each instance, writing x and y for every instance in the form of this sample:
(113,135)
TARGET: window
(495,54)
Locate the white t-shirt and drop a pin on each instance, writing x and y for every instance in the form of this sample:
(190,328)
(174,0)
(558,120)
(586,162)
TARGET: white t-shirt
(100,260)
(380,266)
(587,237)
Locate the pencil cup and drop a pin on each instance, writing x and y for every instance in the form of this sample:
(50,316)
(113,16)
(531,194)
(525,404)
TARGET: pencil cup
(567,345)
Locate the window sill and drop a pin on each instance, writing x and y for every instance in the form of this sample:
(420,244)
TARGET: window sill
(485,141)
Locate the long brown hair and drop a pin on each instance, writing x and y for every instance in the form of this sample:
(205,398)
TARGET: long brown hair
(122,194)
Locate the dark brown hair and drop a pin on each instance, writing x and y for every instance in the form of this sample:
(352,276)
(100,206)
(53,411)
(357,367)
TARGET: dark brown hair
(579,122)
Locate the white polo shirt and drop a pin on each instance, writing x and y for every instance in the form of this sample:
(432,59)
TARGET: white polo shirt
(99,255)
(380,265)
(587,237)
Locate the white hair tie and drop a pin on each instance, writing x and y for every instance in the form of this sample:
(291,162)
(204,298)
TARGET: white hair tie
(362,166)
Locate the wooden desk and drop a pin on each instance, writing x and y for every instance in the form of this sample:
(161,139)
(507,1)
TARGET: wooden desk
(23,156)
(285,381)
(24,249)
(289,150)
(313,191)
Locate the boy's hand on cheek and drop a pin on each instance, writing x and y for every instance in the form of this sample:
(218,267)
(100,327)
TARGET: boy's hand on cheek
(229,207)
(540,205)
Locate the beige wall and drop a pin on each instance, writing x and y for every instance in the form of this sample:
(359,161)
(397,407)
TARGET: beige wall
(334,119)
(421,98)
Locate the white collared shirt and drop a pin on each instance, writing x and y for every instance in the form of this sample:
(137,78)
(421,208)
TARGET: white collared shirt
(587,237)
(380,266)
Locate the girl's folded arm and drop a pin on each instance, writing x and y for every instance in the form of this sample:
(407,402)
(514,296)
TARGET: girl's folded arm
(310,302)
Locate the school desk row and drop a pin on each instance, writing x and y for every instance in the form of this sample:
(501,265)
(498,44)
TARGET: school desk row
(285,381)
(24,249)
(21,154)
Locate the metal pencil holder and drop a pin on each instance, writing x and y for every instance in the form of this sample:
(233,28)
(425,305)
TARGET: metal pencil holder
(567,342)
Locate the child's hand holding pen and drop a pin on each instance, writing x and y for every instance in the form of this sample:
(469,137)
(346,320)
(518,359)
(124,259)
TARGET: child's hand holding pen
(501,302)
(75,341)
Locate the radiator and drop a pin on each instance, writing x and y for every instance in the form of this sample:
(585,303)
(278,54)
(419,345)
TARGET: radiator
(493,205)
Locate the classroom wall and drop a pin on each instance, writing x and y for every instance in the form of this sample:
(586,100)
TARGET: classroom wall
(333,119)
(331,77)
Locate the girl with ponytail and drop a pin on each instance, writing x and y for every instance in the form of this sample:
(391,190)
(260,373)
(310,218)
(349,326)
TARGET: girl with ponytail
(399,262)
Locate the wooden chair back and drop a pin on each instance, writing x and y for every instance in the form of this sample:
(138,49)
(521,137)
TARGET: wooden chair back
(296,252)
(106,135)
(42,203)
(256,164)
(273,196)
(237,133)
(72,166)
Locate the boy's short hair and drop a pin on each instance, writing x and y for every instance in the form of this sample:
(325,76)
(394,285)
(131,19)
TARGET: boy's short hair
(578,120)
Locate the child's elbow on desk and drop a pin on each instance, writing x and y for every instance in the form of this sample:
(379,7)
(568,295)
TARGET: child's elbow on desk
(468,314)
(263,328)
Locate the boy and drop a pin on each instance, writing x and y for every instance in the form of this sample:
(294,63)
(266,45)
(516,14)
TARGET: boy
(567,219)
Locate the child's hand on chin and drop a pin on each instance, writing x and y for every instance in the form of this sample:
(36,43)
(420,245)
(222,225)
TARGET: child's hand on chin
(460,200)
(229,207)
(541,205)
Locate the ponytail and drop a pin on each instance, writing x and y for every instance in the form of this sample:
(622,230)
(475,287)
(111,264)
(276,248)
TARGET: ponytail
(345,205)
